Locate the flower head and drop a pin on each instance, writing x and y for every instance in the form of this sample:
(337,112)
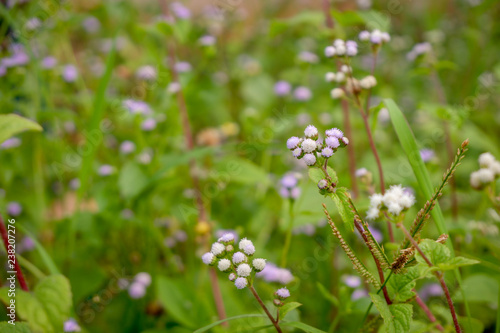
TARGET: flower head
(293,142)
(143,278)
(243,270)
(259,264)
(224,265)
(218,249)
(208,258)
(239,257)
(71,325)
(282,293)
(241,282)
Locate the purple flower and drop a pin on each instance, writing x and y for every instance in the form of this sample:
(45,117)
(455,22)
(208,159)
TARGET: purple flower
(49,62)
(241,282)
(352,281)
(282,88)
(137,290)
(70,73)
(293,142)
(127,147)
(273,273)
(427,154)
(148,124)
(71,325)
(27,244)
(74,184)
(222,232)
(182,67)
(106,170)
(361,172)
(180,235)
(147,73)
(143,278)
(137,107)
(14,208)
(17,58)
(302,93)
(430,290)
(358,293)
(283,293)
(309,57)
(207,40)
(180,10)
(10,143)
(91,24)
(332,142)
(289,180)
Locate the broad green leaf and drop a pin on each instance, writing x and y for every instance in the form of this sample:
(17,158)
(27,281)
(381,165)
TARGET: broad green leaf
(54,293)
(479,288)
(30,309)
(437,253)
(19,327)
(301,326)
(341,199)
(400,285)
(375,20)
(206,328)
(132,181)
(397,317)
(287,308)
(12,124)
(457,262)
(409,144)
(238,170)
(173,299)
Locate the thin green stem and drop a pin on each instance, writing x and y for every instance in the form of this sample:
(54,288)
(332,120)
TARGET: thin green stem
(288,239)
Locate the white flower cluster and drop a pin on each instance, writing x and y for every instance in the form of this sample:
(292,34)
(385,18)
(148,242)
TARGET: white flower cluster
(342,48)
(489,171)
(238,264)
(311,148)
(375,37)
(395,200)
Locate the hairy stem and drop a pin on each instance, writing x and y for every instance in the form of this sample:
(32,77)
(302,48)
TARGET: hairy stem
(269,315)
(439,276)
(17,268)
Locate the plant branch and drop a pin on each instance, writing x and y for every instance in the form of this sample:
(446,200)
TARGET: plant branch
(427,311)
(17,268)
(275,322)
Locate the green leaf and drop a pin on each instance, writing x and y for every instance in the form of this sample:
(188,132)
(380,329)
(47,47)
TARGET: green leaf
(51,266)
(327,295)
(238,170)
(397,317)
(409,144)
(301,326)
(54,293)
(30,309)
(287,308)
(341,199)
(132,181)
(437,253)
(457,262)
(474,325)
(479,288)
(171,295)
(12,124)
(19,327)
(400,285)
(206,328)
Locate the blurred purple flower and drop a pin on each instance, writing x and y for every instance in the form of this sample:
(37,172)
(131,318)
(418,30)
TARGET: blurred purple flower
(430,290)
(358,293)
(14,208)
(137,107)
(127,147)
(71,325)
(70,73)
(180,236)
(427,154)
(148,124)
(137,290)
(282,88)
(273,273)
(180,10)
(27,244)
(352,281)
(49,62)
(221,232)
(182,67)
(91,24)
(309,57)
(302,93)
(207,40)
(147,73)
(10,143)
(106,170)
(74,184)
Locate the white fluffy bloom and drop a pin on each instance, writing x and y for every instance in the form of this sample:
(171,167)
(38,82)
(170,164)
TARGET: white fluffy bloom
(239,257)
(218,249)
(376,200)
(226,238)
(368,82)
(241,282)
(486,160)
(330,51)
(232,277)
(346,69)
(293,142)
(259,264)
(372,213)
(308,145)
(249,249)
(337,93)
(311,131)
(297,152)
(407,200)
(330,77)
(244,242)
(364,35)
(309,159)
(243,270)
(394,208)
(224,265)
(495,167)
(143,278)
(340,77)
(208,258)
(341,50)
(481,177)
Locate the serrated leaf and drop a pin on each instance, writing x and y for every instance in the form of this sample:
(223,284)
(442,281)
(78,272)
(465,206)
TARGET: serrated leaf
(316,174)
(397,317)
(400,285)
(54,293)
(12,124)
(437,253)
(457,262)
(19,327)
(30,309)
(341,199)
(287,308)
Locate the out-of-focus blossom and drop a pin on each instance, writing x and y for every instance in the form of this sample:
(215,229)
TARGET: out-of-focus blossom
(358,293)
(106,170)
(282,88)
(127,147)
(430,290)
(49,62)
(207,40)
(302,93)
(70,73)
(273,273)
(182,67)
(137,107)
(147,73)
(71,325)
(180,11)
(74,184)
(10,143)
(91,24)
(14,208)
(427,154)
(174,87)
(148,124)
(418,50)
(308,57)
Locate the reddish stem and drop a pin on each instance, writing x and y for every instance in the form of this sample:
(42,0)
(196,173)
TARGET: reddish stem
(262,305)
(427,311)
(19,272)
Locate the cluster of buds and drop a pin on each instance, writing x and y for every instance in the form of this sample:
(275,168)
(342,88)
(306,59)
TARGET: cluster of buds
(341,48)
(239,265)
(395,201)
(376,37)
(487,174)
(312,149)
